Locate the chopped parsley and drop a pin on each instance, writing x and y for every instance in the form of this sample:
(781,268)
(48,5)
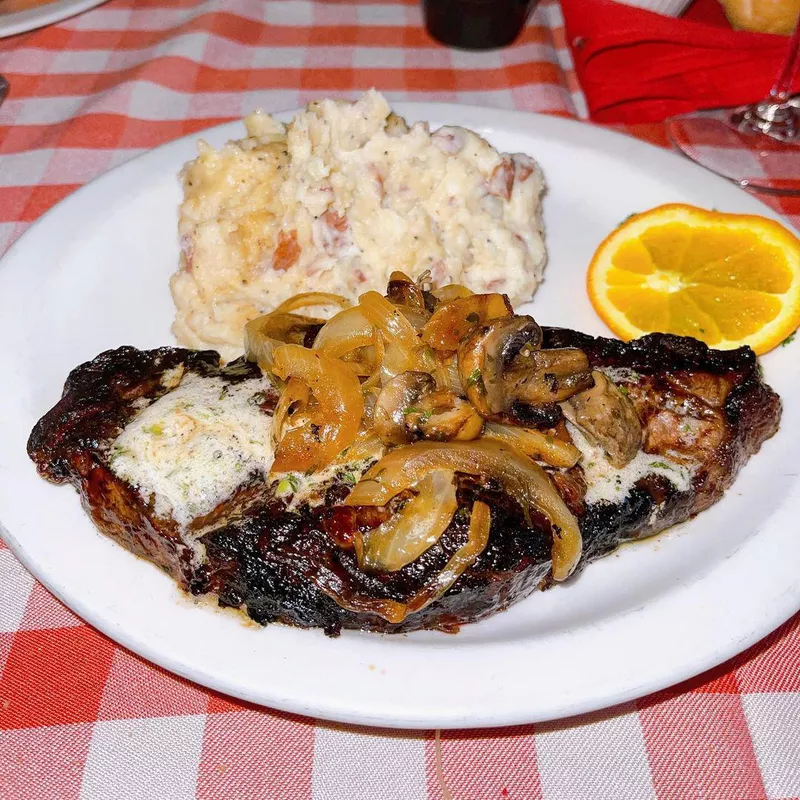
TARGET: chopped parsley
(117,451)
(259,398)
(288,484)
(623,390)
(660,465)
(349,478)
(424,416)
(474,377)
(526,350)
(789,339)
(156,429)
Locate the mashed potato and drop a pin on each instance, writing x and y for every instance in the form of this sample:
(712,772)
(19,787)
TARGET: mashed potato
(338,199)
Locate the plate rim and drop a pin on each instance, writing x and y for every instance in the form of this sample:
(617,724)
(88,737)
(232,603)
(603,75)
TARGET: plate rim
(40,16)
(436,111)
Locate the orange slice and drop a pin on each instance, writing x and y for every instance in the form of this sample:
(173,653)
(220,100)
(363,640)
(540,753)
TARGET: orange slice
(727,279)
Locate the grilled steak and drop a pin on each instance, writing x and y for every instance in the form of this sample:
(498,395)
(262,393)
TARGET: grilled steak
(703,414)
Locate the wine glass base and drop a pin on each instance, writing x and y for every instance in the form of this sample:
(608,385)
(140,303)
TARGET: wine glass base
(779,121)
(752,146)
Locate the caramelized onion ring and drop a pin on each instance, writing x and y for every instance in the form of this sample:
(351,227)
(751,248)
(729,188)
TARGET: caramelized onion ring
(448,370)
(477,538)
(452,291)
(536,444)
(333,585)
(453,321)
(406,535)
(395,612)
(295,393)
(263,334)
(418,317)
(365,446)
(379,349)
(312,299)
(389,320)
(333,424)
(520,478)
(404,350)
(344,332)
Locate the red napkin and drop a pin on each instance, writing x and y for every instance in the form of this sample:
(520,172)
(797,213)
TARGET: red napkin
(638,66)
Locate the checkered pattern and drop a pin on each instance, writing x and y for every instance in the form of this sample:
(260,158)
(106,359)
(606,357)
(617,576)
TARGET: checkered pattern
(81,717)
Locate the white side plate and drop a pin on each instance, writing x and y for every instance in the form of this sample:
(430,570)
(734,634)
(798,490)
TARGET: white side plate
(92,274)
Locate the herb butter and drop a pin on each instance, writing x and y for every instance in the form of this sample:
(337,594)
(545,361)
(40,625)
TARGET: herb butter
(192,448)
(608,484)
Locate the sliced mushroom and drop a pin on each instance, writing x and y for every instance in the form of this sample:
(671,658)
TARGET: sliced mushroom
(502,368)
(443,416)
(399,395)
(410,407)
(404,292)
(548,376)
(484,355)
(608,417)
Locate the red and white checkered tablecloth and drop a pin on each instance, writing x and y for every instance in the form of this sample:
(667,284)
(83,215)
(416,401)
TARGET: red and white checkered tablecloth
(82,717)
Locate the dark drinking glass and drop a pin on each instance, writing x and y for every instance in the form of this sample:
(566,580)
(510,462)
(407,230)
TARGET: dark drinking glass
(476,24)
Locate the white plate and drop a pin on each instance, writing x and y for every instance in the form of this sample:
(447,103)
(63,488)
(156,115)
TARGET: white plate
(92,274)
(46,14)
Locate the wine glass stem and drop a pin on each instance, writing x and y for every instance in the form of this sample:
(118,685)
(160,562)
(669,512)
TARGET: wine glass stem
(782,88)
